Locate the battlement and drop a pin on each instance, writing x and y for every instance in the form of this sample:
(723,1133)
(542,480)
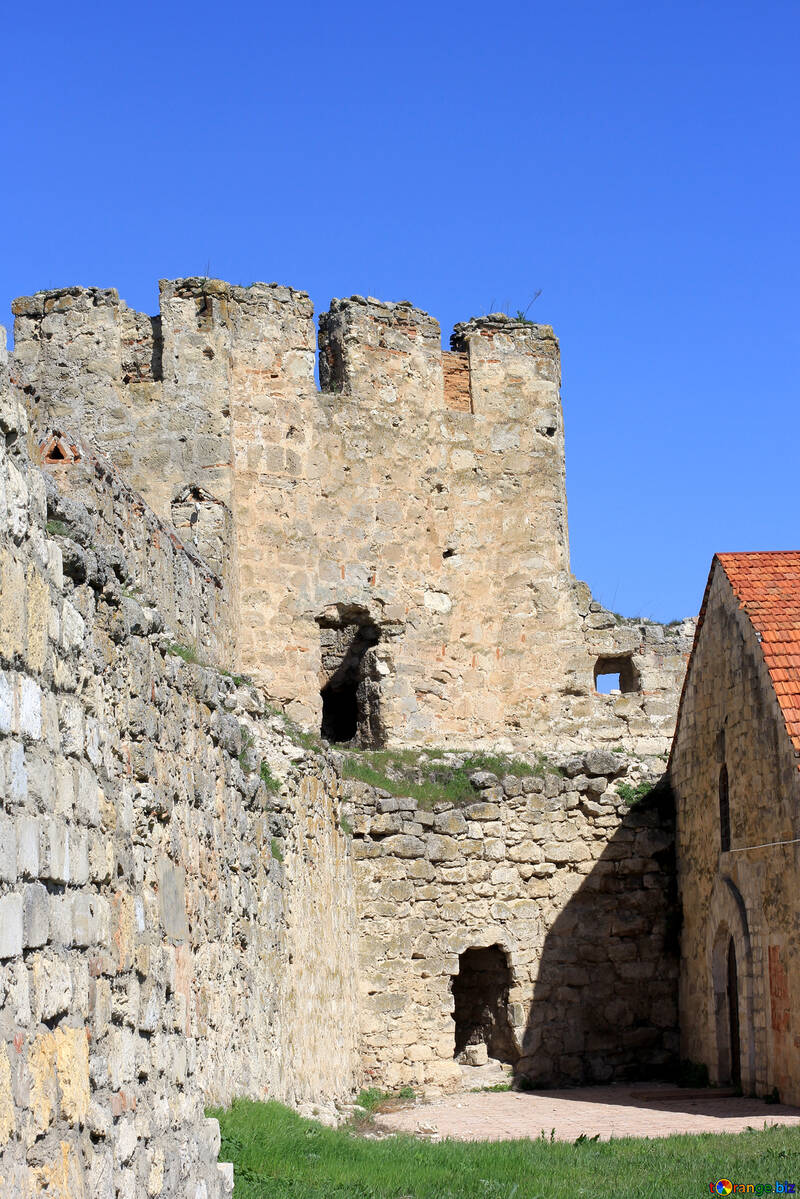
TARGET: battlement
(422,489)
(82,350)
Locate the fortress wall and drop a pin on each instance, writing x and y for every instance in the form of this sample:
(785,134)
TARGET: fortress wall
(422,491)
(421,516)
(155,565)
(151,393)
(574,887)
(157,889)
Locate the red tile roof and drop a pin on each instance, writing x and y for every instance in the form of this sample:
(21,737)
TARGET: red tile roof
(767,586)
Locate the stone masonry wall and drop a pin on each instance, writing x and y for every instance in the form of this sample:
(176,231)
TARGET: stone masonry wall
(418,490)
(730,716)
(573,885)
(176,919)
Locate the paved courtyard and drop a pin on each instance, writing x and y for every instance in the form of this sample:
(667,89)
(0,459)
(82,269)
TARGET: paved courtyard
(618,1111)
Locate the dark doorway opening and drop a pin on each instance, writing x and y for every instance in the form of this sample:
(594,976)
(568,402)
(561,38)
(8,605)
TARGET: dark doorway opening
(339,712)
(733,1016)
(480,994)
(351,709)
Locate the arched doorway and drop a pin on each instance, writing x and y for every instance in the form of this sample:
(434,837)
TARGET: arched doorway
(730,958)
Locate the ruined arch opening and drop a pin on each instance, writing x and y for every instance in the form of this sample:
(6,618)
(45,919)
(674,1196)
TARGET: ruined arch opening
(351,697)
(480,1004)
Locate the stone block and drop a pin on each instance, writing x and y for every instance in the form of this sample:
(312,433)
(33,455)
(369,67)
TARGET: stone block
(482,811)
(82,921)
(526,851)
(441,848)
(87,805)
(172,899)
(35,915)
(52,987)
(6,704)
(29,708)
(483,779)
(56,866)
(599,761)
(10,926)
(450,822)
(61,919)
(8,850)
(402,846)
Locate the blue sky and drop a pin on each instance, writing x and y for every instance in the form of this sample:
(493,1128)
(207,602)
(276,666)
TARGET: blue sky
(637,162)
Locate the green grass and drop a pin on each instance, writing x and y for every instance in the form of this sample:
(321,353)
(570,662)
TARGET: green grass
(373,1099)
(58,528)
(632,795)
(424,776)
(187,652)
(278,1155)
(275,848)
(269,780)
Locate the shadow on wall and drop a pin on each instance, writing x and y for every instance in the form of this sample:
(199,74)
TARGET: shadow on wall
(605,1002)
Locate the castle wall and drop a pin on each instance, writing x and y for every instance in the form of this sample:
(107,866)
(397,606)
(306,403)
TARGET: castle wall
(571,884)
(176,919)
(730,716)
(420,491)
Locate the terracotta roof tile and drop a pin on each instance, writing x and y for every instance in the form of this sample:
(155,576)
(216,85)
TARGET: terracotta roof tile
(767,586)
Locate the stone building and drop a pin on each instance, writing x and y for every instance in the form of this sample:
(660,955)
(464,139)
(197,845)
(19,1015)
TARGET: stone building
(734,772)
(203,559)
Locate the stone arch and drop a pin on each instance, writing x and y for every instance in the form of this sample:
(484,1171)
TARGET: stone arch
(729,934)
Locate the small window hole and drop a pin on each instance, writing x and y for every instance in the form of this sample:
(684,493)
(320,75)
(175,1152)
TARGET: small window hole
(616,672)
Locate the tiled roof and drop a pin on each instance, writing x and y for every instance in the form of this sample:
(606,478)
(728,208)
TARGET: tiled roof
(767,586)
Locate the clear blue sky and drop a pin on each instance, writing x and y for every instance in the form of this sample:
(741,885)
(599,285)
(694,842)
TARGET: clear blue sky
(637,162)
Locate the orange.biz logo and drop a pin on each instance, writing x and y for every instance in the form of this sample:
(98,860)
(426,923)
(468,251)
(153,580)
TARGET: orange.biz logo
(724,1186)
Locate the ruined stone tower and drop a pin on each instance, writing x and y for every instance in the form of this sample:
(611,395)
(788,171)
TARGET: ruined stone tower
(394,543)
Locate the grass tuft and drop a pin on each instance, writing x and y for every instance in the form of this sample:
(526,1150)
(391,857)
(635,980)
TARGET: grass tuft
(633,795)
(269,780)
(58,528)
(187,652)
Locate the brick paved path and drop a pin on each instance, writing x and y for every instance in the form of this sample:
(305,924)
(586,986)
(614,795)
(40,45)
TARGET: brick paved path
(620,1111)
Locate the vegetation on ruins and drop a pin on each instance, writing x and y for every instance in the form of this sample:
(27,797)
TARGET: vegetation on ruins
(633,794)
(433,776)
(268,778)
(278,1154)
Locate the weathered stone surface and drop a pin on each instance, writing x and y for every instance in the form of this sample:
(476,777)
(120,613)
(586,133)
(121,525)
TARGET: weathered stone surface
(403,846)
(176,864)
(597,761)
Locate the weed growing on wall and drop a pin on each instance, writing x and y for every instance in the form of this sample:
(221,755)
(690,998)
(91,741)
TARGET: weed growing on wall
(268,778)
(633,795)
(431,775)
